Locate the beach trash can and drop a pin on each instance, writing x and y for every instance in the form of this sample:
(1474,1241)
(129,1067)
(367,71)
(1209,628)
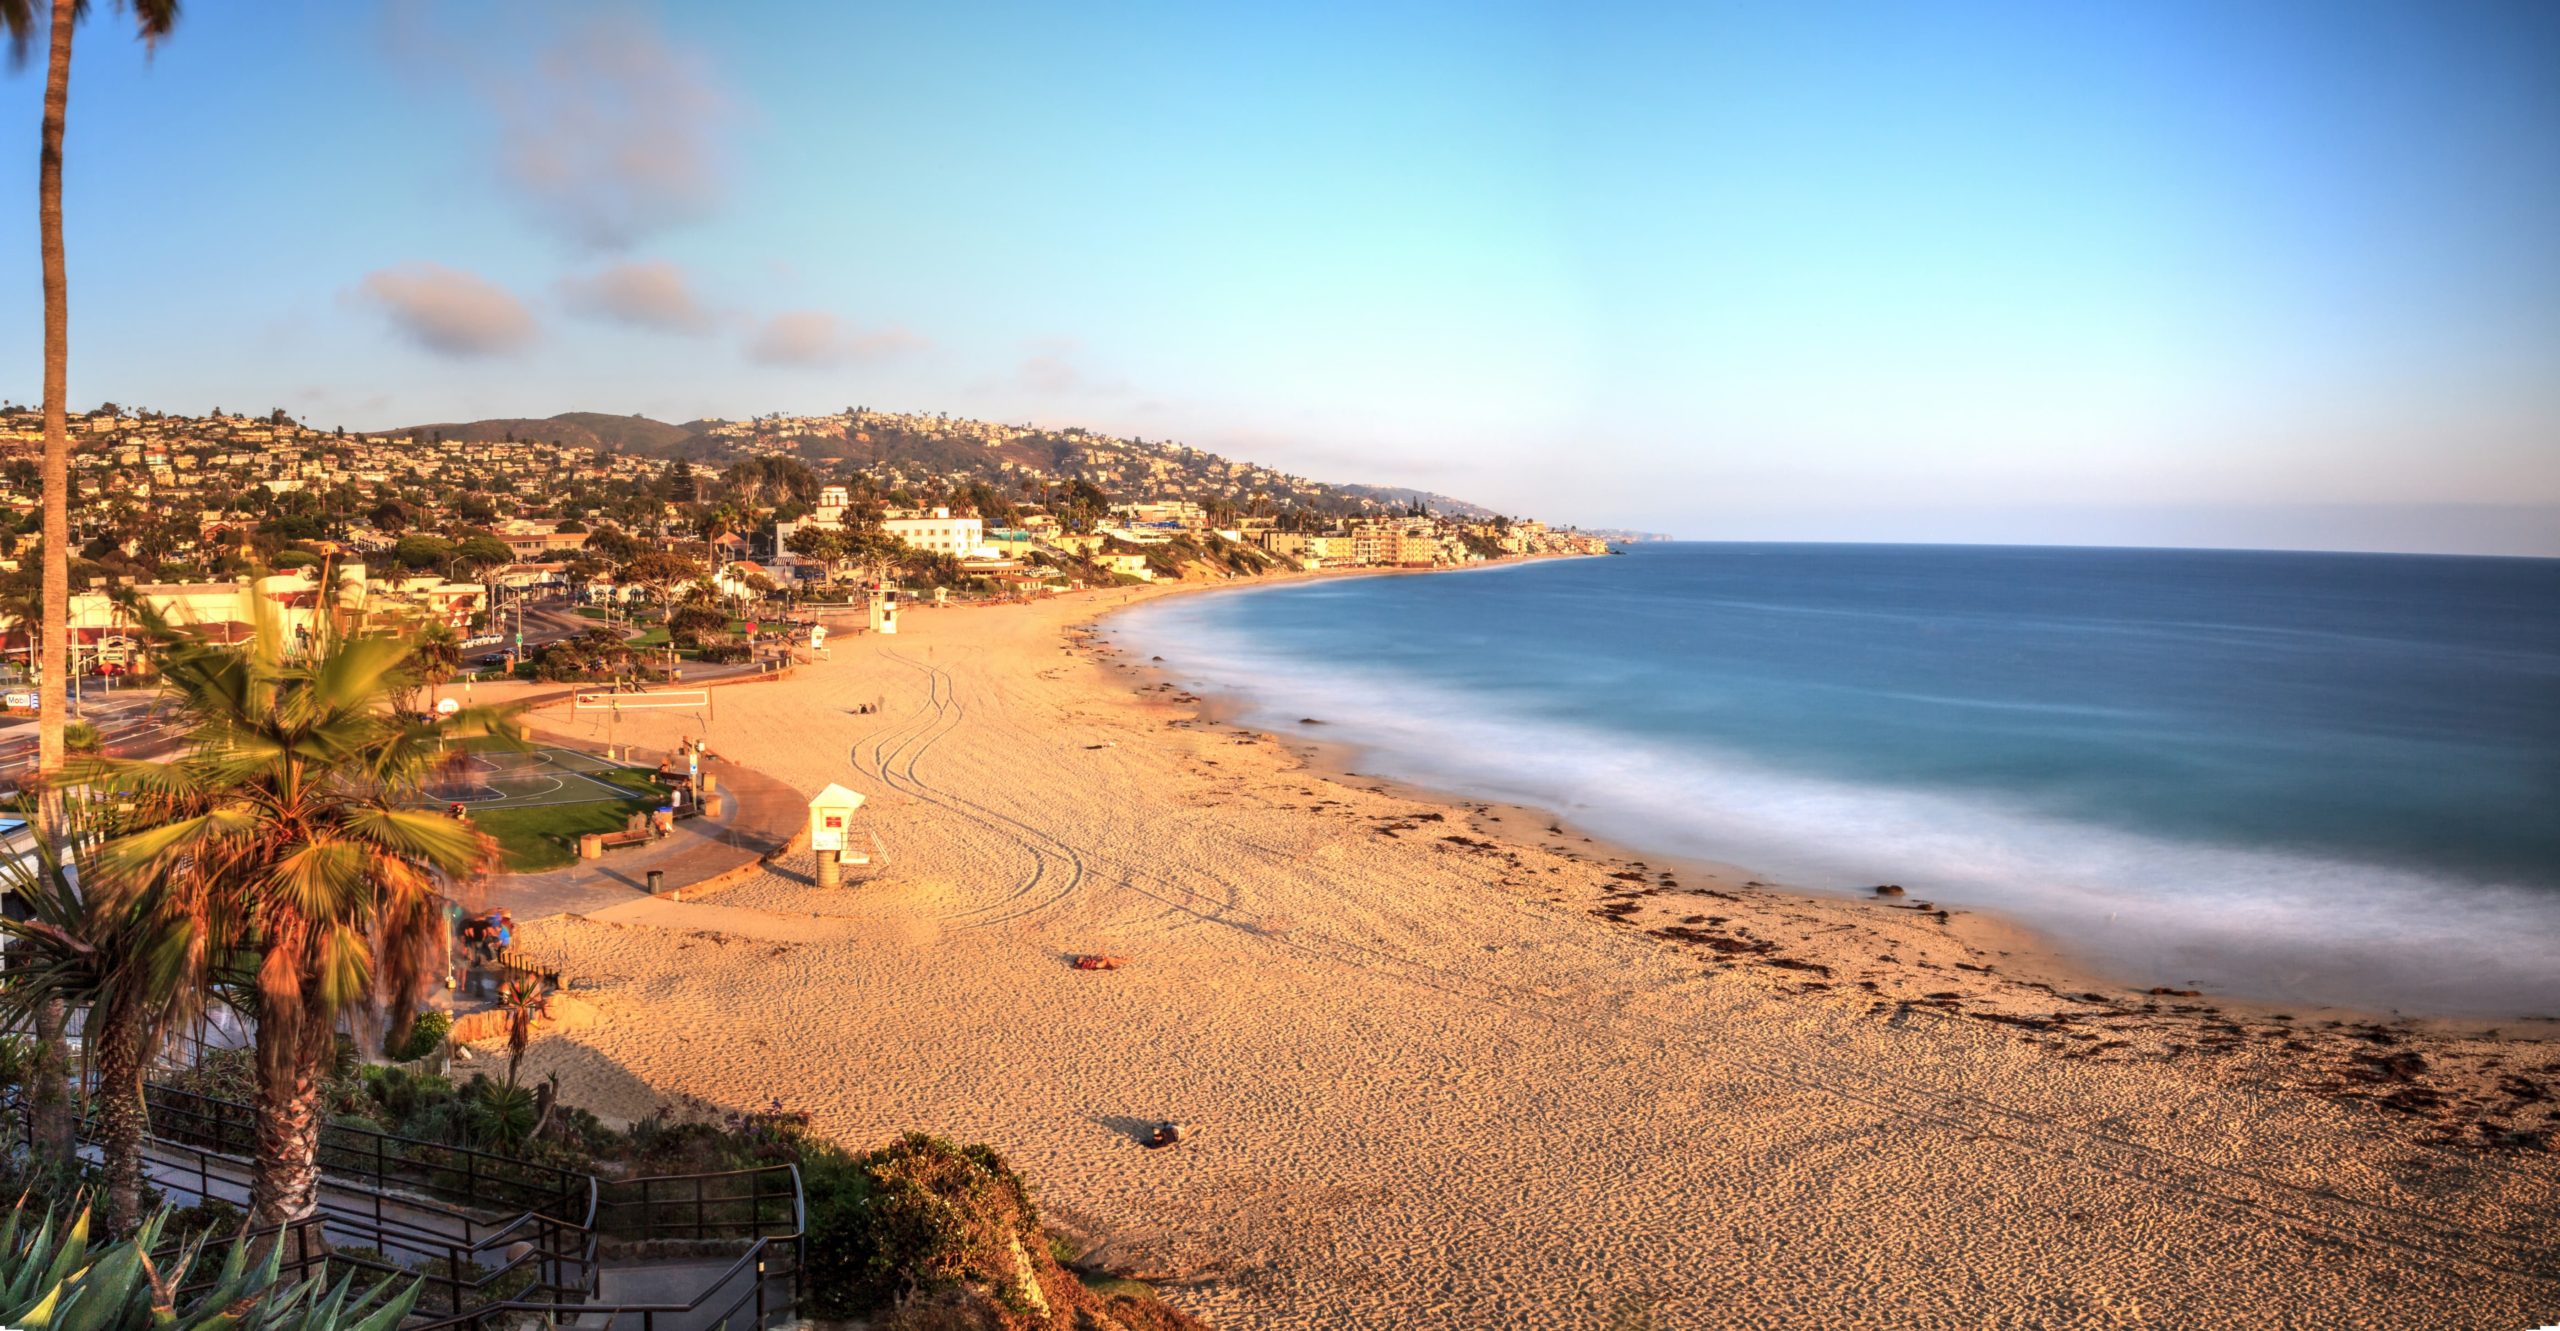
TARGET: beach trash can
(657,881)
(591,846)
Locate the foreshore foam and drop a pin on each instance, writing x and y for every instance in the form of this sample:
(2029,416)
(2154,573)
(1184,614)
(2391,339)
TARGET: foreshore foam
(2255,924)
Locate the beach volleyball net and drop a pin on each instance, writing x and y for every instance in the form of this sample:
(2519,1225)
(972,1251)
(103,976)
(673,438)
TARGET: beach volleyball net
(655,700)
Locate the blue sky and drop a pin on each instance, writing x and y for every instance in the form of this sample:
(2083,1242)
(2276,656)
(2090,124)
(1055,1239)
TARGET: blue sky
(2230,273)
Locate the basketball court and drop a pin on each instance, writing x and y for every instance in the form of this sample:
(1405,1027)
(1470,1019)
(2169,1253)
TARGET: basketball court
(530,778)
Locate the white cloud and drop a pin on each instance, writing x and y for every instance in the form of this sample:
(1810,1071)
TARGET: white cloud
(613,133)
(449,311)
(816,338)
(654,294)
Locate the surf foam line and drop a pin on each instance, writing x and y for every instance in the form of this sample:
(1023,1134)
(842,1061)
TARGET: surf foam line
(2245,921)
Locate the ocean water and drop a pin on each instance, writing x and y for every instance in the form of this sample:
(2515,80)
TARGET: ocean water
(2312,778)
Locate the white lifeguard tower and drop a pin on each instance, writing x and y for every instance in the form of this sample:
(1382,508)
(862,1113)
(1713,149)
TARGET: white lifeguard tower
(831,833)
(884,608)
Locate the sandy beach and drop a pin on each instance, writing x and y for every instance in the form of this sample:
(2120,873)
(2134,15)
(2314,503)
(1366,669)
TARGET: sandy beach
(1456,1067)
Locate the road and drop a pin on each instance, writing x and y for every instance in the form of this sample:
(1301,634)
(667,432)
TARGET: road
(128,720)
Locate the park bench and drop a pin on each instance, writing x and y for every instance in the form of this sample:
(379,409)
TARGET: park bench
(593,845)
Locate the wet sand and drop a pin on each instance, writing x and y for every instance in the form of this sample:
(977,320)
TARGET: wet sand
(1454,1066)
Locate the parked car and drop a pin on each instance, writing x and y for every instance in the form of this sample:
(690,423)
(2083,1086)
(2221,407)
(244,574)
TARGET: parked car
(494,659)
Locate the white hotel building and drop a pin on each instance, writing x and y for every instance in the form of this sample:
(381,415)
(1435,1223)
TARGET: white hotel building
(933,530)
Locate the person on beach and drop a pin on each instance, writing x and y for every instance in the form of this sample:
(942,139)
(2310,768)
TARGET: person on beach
(484,939)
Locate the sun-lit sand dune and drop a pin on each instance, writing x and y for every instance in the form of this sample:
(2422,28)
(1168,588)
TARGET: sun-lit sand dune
(1436,1085)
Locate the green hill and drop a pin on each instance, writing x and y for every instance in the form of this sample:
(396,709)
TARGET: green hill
(584,429)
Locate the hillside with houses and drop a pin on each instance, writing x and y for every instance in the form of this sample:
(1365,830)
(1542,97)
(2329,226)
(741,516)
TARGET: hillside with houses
(210,518)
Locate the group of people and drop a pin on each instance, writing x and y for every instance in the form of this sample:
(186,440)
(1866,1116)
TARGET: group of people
(485,936)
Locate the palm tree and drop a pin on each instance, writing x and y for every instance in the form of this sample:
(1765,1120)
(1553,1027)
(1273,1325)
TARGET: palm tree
(435,653)
(116,949)
(20,19)
(289,825)
(155,19)
(22,609)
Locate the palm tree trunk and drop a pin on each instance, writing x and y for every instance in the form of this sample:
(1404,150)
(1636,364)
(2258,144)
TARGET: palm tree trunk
(403,957)
(119,1048)
(51,1110)
(52,705)
(50,1121)
(295,1042)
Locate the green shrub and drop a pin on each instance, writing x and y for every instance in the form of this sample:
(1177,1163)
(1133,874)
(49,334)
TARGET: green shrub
(425,1035)
(917,1215)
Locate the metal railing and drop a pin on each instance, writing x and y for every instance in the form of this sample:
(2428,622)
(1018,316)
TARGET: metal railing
(397,1208)
(771,1292)
(743,1204)
(540,1261)
(457,1174)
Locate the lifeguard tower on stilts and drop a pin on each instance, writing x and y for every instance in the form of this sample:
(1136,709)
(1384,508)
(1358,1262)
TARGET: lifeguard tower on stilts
(831,833)
(884,608)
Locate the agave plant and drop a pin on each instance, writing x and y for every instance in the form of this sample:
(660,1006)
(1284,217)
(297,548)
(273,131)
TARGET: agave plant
(51,1278)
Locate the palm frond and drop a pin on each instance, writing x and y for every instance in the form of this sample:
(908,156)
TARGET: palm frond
(452,846)
(359,673)
(322,881)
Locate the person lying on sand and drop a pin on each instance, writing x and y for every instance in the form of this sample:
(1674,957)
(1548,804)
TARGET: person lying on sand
(1163,1135)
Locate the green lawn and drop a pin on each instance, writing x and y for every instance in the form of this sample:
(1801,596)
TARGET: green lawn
(545,836)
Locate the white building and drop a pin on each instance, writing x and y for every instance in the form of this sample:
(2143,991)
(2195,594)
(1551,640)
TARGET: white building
(931,530)
(936,530)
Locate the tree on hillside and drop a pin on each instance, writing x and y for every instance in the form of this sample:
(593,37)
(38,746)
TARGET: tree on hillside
(610,542)
(476,554)
(870,550)
(718,520)
(767,481)
(421,550)
(823,546)
(662,572)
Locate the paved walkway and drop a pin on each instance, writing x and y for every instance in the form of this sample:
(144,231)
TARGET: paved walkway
(761,819)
